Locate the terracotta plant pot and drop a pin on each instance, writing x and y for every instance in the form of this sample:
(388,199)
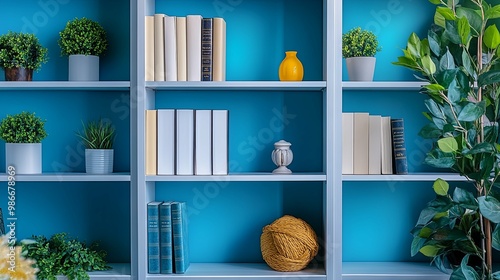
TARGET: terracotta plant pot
(18,74)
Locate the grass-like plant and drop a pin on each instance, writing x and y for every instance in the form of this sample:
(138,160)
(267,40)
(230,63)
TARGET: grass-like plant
(24,127)
(97,135)
(83,36)
(358,42)
(21,50)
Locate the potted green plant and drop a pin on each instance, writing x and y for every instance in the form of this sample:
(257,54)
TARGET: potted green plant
(359,47)
(23,134)
(98,137)
(83,40)
(458,59)
(20,54)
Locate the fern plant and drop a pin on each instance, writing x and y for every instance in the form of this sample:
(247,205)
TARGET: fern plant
(97,135)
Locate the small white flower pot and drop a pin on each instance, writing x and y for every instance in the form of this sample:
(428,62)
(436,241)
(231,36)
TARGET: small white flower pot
(360,68)
(26,158)
(83,67)
(99,161)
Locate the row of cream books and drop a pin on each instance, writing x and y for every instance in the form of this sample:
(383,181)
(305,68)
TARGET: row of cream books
(168,245)
(187,142)
(373,144)
(185,48)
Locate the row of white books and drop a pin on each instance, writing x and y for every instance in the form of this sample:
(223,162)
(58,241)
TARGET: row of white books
(187,142)
(185,48)
(372,144)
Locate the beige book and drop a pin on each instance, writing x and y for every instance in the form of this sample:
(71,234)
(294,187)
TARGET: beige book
(386,146)
(151,148)
(360,143)
(193,40)
(375,145)
(170,48)
(219,49)
(159,48)
(181,49)
(347,143)
(149,48)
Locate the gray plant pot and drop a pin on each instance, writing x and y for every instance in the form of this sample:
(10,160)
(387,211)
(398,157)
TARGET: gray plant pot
(360,68)
(99,161)
(83,67)
(26,158)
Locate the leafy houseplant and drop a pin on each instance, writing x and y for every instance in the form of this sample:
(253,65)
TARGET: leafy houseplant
(23,134)
(83,40)
(21,53)
(459,61)
(359,48)
(98,138)
(61,255)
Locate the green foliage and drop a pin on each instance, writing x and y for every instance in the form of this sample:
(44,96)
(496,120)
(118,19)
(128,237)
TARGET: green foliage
(358,42)
(97,135)
(459,60)
(24,127)
(83,36)
(61,255)
(21,50)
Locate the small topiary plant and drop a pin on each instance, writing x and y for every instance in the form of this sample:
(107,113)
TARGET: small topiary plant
(358,42)
(83,36)
(24,127)
(21,50)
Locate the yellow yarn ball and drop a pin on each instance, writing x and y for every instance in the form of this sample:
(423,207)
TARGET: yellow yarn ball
(288,244)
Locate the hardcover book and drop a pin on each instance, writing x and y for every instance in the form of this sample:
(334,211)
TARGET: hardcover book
(386,146)
(219,49)
(153,237)
(360,143)
(193,40)
(169,27)
(220,125)
(180,237)
(206,49)
(203,142)
(166,142)
(375,145)
(151,142)
(166,249)
(347,143)
(399,146)
(159,40)
(181,48)
(184,142)
(149,48)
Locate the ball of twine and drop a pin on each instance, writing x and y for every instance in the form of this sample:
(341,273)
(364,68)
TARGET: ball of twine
(288,244)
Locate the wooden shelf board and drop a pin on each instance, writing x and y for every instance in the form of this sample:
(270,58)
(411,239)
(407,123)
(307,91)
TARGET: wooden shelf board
(391,270)
(242,177)
(240,270)
(68,177)
(239,85)
(66,85)
(409,177)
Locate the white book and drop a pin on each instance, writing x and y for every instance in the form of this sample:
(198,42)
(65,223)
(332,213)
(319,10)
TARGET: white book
(347,143)
(159,47)
(166,142)
(184,142)
(149,48)
(170,29)
(219,49)
(220,128)
(375,145)
(203,142)
(360,143)
(151,142)
(181,48)
(193,41)
(386,146)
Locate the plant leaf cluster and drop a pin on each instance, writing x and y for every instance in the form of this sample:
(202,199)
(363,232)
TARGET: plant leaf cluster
(61,255)
(83,36)
(358,42)
(97,135)
(21,50)
(24,127)
(459,61)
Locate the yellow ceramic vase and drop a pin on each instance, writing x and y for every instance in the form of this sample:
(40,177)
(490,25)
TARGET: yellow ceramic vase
(291,68)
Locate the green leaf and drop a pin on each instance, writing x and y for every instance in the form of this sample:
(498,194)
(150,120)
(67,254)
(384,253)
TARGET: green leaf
(474,19)
(493,12)
(446,61)
(491,37)
(465,198)
(434,42)
(482,148)
(488,78)
(463,30)
(413,45)
(436,2)
(416,245)
(445,162)
(471,112)
(426,215)
(490,208)
(428,65)
(441,187)
(434,108)
(446,12)
(448,144)
(430,131)
(496,238)
(429,250)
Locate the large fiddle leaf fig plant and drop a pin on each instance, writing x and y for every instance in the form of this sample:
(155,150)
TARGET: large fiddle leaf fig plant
(459,61)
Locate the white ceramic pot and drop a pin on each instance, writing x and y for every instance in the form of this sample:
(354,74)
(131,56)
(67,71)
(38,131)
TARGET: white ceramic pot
(99,161)
(360,68)
(26,158)
(83,67)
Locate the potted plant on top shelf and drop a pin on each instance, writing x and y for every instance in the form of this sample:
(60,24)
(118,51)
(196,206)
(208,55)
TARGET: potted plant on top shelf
(20,54)
(98,138)
(359,48)
(83,40)
(459,61)
(23,134)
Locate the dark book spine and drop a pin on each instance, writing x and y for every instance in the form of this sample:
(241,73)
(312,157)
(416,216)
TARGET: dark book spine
(207,49)
(166,261)
(153,238)
(399,146)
